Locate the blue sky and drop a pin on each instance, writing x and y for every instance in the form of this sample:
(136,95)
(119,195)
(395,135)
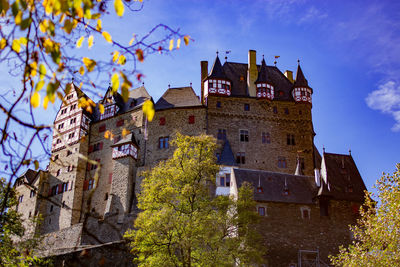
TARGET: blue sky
(349,52)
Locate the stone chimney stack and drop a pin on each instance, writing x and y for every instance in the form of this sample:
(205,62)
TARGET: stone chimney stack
(204,74)
(252,73)
(289,75)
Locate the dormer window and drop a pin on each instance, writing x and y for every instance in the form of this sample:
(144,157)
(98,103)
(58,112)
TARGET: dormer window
(265,90)
(218,87)
(125,150)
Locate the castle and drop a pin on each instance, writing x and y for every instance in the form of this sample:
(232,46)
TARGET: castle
(262,120)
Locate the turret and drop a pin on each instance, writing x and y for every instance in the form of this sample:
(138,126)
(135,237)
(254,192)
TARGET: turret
(264,86)
(217,82)
(301,92)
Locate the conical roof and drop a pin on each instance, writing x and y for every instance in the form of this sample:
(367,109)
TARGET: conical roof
(298,168)
(217,70)
(263,76)
(301,81)
(227,157)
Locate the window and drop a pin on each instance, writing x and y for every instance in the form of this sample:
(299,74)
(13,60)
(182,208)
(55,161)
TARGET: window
(286,110)
(260,189)
(69,152)
(30,214)
(51,208)
(63,111)
(265,138)
(73,106)
(55,158)
(261,211)
(96,147)
(228,179)
(65,187)
(222,181)
(191,119)
(33,193)
(58,141)
(221,134)
(20,198)
(162,121)
(102,128)
(244,136)
(246,107)
(60,126)
(120,123)
(240,158)
(71,135)
(275,110)
(69,97)
(305,212)
(91,184)
(290,140)
(106,196)
(72,121)
(163,142)
(219,104)
(282,162)
(58,172)
(70,168)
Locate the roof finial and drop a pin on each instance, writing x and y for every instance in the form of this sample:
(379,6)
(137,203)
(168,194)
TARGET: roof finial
(323,148)
(350,152)
(190,84)
(109,84)
(298,61)
(169,86)
(263,56)
(72,79)
(217,53)
(143,83)
(226,58)
(275,63)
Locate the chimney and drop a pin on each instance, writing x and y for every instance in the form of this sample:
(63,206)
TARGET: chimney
(204,74)
(252,73)
(289,75)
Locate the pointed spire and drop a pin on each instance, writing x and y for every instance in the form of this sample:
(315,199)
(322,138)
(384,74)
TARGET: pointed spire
(298,168)
(217,70)
(300,81)
(227,157)
(263,76)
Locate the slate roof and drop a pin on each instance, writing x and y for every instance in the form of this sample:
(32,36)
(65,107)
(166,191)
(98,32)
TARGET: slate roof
(263,74)
(178,97)
(344,180)
(302,189)
(300,81)
(217,71)
(239,86)
(129,138)
(227,157)
(29,176)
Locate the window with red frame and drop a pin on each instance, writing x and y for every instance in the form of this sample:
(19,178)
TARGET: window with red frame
(120,123)
(162,121)
(191,119)
(102,128)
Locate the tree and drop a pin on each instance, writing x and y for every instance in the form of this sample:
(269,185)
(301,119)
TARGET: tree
(15,253)
(377,234)
(182,222)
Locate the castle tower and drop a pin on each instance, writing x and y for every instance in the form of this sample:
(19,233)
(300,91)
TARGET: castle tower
(217,83)
(67,168)
(301,91)
(264,86)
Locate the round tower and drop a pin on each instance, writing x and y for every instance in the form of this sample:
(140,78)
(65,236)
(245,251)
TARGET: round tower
(301,92)
(264,86)
(217,82)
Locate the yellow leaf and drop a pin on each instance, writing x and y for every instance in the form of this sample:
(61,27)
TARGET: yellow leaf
(43,26)
(81,70)
(89,63)
(36,163)
(122,60)
(80,41)
(119,7)
(115,83)
(148,109)
(3,43)
(23,40)
(90,41)
(115,56)
(107,36)
(98,26)
(178,43)
(101,108)
(171,44)
(39,86)
(45,102)
(186,39)
(35,100)
(107,134)
(42,71)
(125,132)
(18,18)
(132,40)
(16,46)
(33,68)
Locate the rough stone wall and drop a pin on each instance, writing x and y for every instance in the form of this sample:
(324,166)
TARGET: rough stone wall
(232,117)
(176,120)
(285,231)
(133,121)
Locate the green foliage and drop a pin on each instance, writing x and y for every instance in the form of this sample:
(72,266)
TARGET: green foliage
(14,253)
(183,223)
(378,231)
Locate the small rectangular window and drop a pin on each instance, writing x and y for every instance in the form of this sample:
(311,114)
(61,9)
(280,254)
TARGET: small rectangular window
(219,104)
(240,158)
(261,211)
(282,162)
(102,128)
(244,136)
(162,121)
(290,139)
(222,181)
(228,179)
(265,138)
(120,123)
(247,107)
(275,110)
(163,142)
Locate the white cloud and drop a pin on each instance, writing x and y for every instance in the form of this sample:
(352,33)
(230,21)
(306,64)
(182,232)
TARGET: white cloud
(312,14)
(387,100)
